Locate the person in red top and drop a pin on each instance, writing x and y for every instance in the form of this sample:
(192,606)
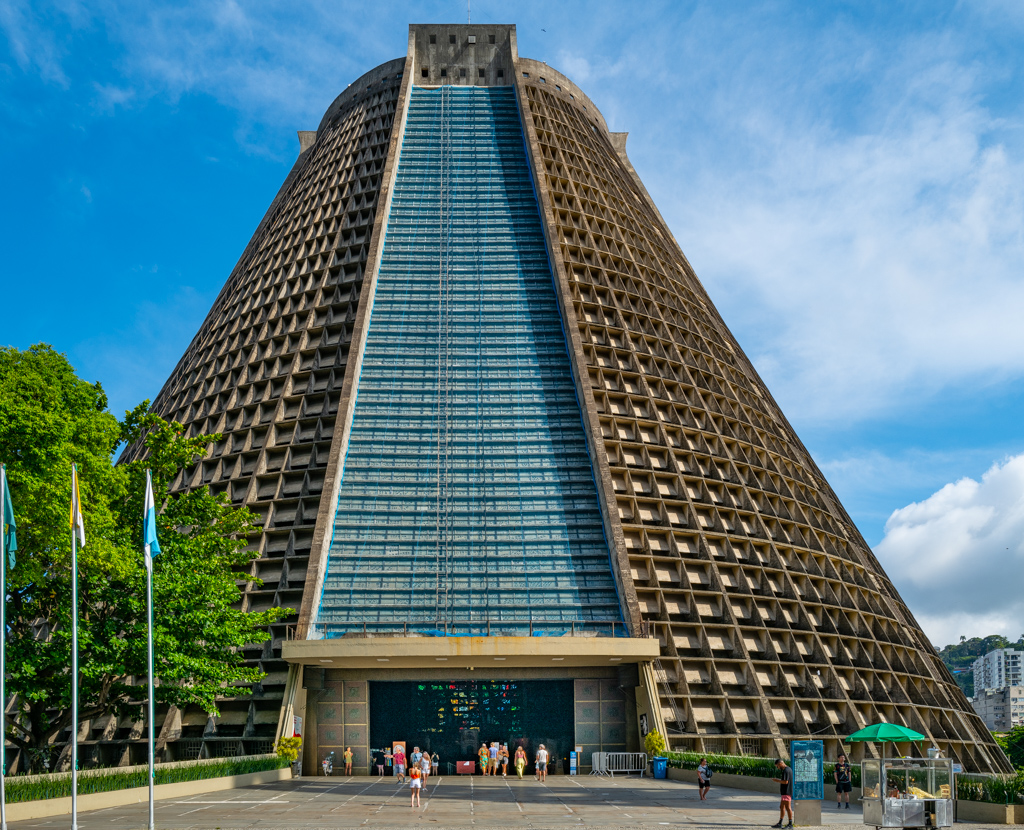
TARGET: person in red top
(415,785)
(400,764)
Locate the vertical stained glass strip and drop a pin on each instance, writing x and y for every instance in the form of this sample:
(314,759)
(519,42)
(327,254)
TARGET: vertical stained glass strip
(468,501)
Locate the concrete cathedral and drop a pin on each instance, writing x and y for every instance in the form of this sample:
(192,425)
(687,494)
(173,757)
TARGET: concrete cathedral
(517,478)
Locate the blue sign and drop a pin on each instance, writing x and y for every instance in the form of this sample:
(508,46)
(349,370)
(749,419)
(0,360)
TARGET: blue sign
(808,770)
(572,763)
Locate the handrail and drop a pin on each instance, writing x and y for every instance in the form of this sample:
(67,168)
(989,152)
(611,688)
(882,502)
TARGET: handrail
(471,627)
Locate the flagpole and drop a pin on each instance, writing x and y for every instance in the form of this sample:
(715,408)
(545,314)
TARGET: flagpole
(3,649)
(149,668)
(151,545)
(74,657)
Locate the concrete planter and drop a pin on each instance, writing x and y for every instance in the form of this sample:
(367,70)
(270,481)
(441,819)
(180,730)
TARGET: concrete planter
(990,813)
(46,807)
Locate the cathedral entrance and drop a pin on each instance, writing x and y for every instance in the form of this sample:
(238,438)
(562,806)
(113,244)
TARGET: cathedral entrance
(454,718)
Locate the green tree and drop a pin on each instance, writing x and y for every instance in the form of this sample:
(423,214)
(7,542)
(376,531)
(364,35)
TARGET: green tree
(50,418)
(1012,743)
(654,744)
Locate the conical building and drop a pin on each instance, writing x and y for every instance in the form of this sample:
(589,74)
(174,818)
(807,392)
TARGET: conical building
(514,470)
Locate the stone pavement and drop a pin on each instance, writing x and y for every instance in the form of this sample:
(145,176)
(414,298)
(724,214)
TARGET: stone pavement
(455,802)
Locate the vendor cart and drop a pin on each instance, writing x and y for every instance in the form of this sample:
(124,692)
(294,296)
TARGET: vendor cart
(904,792)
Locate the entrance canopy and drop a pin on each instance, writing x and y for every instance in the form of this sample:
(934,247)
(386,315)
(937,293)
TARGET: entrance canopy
(464,652)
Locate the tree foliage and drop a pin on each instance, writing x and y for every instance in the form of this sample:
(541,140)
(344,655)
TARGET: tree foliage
(50,418)
(1012,743)
(654,744)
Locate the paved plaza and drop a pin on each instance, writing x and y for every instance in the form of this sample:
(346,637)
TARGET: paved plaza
(455,801)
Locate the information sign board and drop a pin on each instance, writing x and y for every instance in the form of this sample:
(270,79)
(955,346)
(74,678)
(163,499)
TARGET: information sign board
(572,763)
(808,770)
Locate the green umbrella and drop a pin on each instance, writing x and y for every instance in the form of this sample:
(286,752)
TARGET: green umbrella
(883,732)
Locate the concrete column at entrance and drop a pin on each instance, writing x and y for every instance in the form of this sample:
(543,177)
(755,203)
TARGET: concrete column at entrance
(648,705)
(342,720)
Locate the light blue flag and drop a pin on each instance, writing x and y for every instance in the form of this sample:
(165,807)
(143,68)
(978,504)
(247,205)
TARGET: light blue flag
(10,526)
(149,524)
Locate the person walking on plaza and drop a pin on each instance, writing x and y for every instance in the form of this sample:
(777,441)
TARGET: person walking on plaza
(520,761)
(389,758)
(378,762)
(400,764)
(492,762)
(415,785)
(348,760)
(541,763)
(425,766)
(435,762)
(503,760)
(414,759)
(703,779)
(844,781)
(785,782)
(484,754)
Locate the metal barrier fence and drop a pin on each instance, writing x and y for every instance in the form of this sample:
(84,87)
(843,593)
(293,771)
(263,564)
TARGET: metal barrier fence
(609,763)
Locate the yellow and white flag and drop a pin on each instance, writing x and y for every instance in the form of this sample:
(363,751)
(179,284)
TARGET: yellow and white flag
(77,525)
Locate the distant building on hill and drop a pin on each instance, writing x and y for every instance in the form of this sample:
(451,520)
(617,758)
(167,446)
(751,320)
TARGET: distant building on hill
(1001,709)
(997,669)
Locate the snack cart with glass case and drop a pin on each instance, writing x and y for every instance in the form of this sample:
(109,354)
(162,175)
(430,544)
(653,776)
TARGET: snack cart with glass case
(907,792)
(904,792)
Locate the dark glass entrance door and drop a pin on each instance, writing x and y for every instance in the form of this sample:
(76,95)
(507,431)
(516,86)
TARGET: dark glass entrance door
(455,718)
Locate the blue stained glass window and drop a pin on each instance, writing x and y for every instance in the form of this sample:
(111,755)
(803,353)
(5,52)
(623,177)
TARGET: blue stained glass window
(468,502)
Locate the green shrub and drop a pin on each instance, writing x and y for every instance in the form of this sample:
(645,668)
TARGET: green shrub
(288,748)
(747,765)
(58,785)
(654,744)
(997,789)
(731,764)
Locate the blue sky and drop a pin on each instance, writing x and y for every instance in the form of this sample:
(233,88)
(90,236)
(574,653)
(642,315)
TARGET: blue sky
(846,178)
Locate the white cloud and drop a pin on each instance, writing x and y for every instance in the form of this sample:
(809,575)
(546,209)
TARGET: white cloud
(957,557)
(31,41)
(857,215)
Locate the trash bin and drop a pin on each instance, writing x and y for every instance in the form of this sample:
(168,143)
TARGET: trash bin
(660,767)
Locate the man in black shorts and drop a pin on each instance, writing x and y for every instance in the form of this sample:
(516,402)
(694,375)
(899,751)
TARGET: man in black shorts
(844,781)
(785,782)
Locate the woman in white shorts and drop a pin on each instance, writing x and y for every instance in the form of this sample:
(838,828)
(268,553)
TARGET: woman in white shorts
(415,784)
(425,766)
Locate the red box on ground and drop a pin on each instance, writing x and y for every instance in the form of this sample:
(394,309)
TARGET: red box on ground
(465,767)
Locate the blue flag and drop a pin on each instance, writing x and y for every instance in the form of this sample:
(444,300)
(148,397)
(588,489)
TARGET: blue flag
(149,523)
(10,526)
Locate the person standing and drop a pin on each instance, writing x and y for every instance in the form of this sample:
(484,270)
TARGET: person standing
(348,760)
(400,764)
(492,760)
(503,760)
(435,763)
(844,781)
(484,754)
(520,761)
(415,785)
(703,779)
(378,762)
(388,759)
(414,759)
(785,782)
(425,766)
(541,762)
